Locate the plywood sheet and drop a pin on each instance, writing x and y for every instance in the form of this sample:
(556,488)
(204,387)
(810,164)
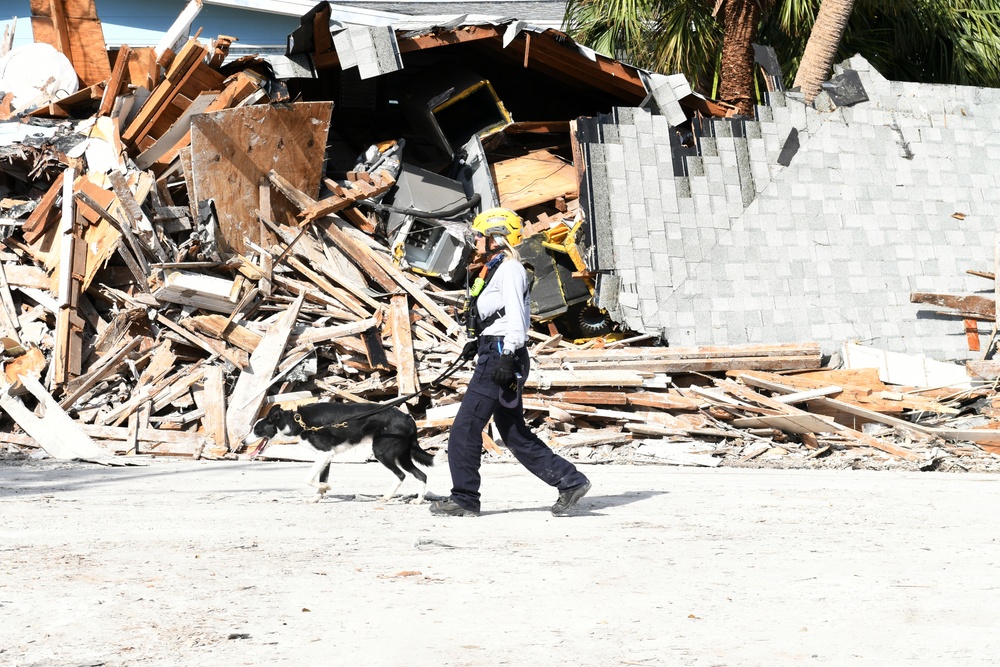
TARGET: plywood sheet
(72,27)
(233,150)
(535,178)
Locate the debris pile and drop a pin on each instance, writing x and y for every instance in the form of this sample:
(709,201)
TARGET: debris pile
(186,244)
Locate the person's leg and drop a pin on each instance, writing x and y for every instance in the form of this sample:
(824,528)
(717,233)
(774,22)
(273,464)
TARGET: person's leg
(465,448)
(527,447)
(532,453)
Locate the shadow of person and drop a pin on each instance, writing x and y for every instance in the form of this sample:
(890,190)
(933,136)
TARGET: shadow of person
(590,505)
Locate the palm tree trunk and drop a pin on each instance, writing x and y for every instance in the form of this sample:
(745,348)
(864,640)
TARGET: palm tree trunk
(740,20)
(821,49)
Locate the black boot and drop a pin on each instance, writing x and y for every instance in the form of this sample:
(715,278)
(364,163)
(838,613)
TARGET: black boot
(449,507)
(569,498)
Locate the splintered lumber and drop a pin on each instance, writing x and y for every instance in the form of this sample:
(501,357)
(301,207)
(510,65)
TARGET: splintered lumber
(981,307)
(99,371)
(402,345)
(56,432)
(689,359)
(858,395)
(249,393)
(319,335)
(233,150)
(213,395)
(581,397)
(536,178)
(347,195)
(69,327)
(181,70)
(44,213)
(404,281)
(219,327)
(372,263)
(158,442)
(814,422)
(116,82)
(72,27)
(8,312)
(356,251)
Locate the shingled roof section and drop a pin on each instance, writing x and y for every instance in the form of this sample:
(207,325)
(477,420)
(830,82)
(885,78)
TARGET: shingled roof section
(724,244)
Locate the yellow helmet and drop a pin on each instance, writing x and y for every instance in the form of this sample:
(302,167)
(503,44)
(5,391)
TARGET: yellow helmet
(499,221)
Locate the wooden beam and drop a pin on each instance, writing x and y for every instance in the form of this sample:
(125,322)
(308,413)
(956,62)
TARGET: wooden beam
(459,35)
(56,432)
(841,406)
(72,27)
(979,305)
(61,362)
(750,395)
(248,394)
(117,81)
(215,407)
(407,380)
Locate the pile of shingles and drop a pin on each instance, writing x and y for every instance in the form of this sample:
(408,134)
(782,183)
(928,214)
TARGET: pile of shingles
(137,322)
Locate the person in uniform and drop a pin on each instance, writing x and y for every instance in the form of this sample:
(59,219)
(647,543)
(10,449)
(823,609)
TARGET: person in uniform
(501,313)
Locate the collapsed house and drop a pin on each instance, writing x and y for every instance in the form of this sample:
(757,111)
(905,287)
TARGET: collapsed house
(806,222)
(191,237)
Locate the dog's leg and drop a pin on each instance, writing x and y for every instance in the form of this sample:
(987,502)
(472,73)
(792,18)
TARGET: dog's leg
(406,463)
(393,489)
(420,496)
(320,469)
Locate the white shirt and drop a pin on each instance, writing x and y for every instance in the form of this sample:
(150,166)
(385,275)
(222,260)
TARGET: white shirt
(507,289)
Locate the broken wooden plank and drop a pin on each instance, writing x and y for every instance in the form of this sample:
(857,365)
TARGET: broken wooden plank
(99,371)
(8,312)
(66,355)
(72,27)
(870,415)
(56,432)
(248,394)
(978,305)
(157,442)
(788,410)
(347,196)
(402,344)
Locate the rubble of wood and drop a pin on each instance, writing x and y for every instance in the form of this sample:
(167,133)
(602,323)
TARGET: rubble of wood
(176,260)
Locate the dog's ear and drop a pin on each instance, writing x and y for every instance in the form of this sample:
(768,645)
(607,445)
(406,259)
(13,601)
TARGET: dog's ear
(274,416)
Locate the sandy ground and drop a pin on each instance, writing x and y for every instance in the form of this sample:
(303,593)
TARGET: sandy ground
(222,563)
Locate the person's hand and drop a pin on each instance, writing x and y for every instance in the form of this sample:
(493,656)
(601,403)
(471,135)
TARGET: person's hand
(470,349)
(503,374)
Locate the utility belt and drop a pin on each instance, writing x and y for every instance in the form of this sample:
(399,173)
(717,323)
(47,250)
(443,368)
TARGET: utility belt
(495,339)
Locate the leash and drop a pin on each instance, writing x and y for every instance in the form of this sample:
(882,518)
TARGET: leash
(448,372)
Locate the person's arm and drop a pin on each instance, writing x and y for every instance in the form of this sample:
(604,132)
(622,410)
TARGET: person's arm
(512,288)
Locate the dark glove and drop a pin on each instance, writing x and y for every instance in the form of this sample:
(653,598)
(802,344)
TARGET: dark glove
(503,374)
(470,350)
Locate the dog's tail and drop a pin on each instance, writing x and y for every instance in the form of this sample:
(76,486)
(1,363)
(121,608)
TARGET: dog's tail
(421,456)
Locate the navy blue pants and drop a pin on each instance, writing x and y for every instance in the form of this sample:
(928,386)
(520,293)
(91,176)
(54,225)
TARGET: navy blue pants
(465,442)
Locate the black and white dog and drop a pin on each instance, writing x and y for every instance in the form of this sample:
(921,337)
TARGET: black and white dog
(331,428)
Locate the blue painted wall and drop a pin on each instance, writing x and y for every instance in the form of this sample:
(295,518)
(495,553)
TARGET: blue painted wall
(143,24)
